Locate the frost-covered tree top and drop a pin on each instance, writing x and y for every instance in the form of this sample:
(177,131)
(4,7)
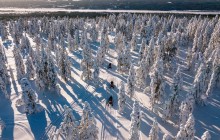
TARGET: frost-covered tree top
(206,136)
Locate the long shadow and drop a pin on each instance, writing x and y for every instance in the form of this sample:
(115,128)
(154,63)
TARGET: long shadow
(37,123)
(207,117)
(7,116)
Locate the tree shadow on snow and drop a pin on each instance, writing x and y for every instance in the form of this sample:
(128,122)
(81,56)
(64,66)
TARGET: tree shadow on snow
(7,116)
(37,123)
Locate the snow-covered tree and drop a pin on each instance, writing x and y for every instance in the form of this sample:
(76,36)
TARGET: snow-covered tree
(135,122)
(120,61)
(133,42)
(25,44)
(153,135)
(3,68)
(172,105)
(199,83)
(76,39)
(69,126)
(140,74)
(166,114)
(96,73)
(157,83)
(100,56)
(30,70)
(87,62)
(3,88)
(127,58)
(88,129)
(19,64)
(215,76)
(166,137)
(206,136)
(94,33)
(121,98)
(41,69)
(131,82)
(142,49)
(51,74)
(181,135)
(189,58)
(189,127)
(70,43)
(186,108)
(29,98)
(64,64)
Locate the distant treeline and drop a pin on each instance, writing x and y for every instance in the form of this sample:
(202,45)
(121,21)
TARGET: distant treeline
(114,4)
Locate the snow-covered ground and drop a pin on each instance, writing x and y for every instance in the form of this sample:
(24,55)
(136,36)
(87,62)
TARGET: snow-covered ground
(75,92)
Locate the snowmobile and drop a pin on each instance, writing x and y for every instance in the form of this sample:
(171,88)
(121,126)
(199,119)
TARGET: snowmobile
(109,65)
(112,84)
(110,101)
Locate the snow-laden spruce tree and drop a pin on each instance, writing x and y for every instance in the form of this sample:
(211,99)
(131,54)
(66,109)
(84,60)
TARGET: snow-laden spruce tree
(131,82)
(64,64)
(142,49)
(70,43)
(68,127)
(181,135)
(52,74)
(189,58)
(87,62)
(95,73)
(151,51)
(76,39)
(41,69)
(140,75)
(29,98)
(100,56)
(127,58)
(133,42)
(166,113)
(19,64)
(88,129)
(120,61)
(199,83)
(215,76)
(157,83)
(3,88)
(206,136)
(186,108)
(189,127)
(94,33)
(171,107)
(135,122)
(166,137)
(30,70)
(3,68)
(153,135)
(25,44)
(121,98)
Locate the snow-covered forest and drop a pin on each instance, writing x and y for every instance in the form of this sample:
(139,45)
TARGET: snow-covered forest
(125,76)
